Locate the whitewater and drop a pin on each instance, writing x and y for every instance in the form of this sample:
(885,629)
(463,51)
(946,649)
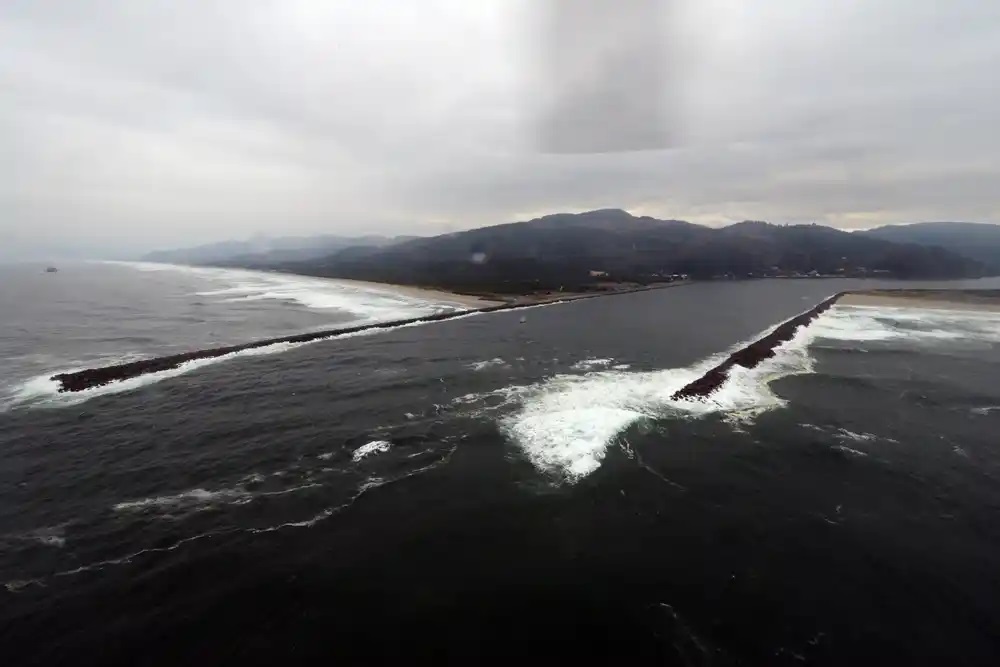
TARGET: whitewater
(467,472)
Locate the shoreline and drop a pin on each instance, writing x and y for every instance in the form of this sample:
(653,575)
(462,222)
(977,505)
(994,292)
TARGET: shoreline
(98,376)
(491,299)
(438,296)
(471,301)
(988,300)
(960,300)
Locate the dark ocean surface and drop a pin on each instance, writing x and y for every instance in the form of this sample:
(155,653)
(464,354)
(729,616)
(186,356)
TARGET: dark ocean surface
(486,490)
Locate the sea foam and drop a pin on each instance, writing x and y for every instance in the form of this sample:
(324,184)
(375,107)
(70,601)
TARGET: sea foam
(368,303)
(565,424)
(918,325)
(373,447)
(186,499)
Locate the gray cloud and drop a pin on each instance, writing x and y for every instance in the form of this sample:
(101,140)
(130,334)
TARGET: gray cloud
(130,125)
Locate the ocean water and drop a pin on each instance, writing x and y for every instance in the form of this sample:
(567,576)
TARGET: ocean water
(487,490)
(96,314)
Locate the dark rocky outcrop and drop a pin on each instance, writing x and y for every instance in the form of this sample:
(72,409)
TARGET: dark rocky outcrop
(754,353)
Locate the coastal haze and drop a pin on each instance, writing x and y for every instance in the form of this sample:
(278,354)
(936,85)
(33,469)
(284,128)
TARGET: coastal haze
(480,333)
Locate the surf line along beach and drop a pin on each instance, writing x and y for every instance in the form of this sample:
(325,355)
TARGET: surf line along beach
(747,357)
(96,377)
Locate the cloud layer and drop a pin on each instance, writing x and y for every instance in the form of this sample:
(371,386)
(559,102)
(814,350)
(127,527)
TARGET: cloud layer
(131,125)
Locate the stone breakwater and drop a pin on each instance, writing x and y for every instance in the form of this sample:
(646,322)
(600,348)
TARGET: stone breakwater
(96,377)
(748,357)
(754,353)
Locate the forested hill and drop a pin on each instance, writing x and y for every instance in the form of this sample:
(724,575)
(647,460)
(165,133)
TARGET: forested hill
(572,251)
(977,241)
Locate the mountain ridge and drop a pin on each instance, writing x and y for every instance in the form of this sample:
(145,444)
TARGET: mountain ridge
(573,251)
(977,240)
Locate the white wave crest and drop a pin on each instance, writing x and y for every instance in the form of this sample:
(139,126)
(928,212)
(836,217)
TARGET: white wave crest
(844,434)
(489,363)
(920,325)
(367,302)
(591,364)
(373,447)
(565,424)
(42,391)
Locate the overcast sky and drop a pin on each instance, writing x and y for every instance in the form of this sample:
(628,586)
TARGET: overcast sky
(135,124)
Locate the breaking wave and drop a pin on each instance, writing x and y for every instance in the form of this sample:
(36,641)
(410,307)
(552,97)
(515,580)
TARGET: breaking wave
(918,325)
(373,447)
(565,424)
(365,301)
(591,364)
(43,391)
(488,363)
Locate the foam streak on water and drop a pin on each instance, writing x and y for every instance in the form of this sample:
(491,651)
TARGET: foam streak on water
(565,424)
(193,497)
(200,495)
(367,302)
(199,296)
(43,391)
(918,325)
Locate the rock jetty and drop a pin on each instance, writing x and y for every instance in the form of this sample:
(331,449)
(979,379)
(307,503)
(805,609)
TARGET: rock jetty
(754,353)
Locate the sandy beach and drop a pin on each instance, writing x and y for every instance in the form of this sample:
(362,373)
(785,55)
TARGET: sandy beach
(437,296)
(974,300)
(485,301)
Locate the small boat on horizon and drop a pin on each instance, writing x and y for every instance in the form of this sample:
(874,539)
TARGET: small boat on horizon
(51,269)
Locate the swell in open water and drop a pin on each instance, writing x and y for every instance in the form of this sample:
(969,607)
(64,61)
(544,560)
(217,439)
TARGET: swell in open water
(486,490)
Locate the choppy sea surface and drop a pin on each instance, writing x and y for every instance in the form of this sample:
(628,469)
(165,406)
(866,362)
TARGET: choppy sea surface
(487,489)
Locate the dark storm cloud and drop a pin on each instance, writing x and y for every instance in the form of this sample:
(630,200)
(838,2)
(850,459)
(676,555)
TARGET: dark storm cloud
(127,125)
